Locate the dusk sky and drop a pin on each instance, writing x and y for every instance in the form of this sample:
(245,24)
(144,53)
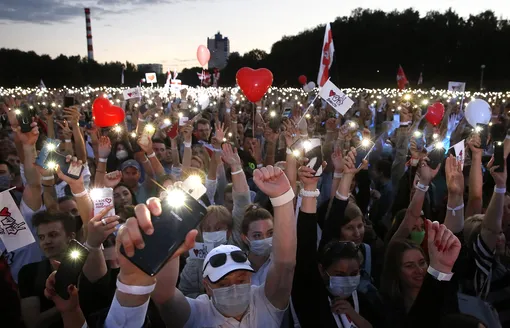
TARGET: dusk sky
(169,31)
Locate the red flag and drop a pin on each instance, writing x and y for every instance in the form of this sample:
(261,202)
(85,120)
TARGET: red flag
(328,50)
(401,78)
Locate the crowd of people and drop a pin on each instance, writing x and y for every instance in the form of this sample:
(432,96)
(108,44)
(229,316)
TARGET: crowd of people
(376,236)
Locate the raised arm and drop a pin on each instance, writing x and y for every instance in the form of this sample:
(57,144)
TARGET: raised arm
(103,150)
(475,201)
(187,130)
(72,115)
(454,220)
(32,192)
(414,210)
(274,183)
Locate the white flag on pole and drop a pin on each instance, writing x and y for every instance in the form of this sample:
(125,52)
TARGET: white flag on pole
(132,93)
(336,98)
(14,231)
(460,152)
(457,86)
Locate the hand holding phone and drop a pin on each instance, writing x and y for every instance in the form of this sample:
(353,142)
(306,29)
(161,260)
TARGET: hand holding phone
(24,118)
(70,267)
(69,168)
(313,151)
(180,214)
(483,132)
(499,156)
(436,156)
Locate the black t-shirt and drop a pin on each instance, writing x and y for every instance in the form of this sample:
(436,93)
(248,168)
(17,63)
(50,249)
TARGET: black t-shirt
(32,281)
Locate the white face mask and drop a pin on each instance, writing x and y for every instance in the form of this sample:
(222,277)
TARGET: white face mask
(216,237)
(261,247)
(232,301)
(343,286)
(122,154)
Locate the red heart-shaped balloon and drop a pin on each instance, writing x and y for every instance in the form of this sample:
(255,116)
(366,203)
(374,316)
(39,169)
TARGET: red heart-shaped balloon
(105,114)
(254,83)
(435,113)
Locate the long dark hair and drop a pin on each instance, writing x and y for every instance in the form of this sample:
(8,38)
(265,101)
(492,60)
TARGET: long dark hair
(390,278)
(113,163)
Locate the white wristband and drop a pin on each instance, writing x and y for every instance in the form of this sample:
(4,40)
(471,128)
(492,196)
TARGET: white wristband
(453,209)
(338,175)
(507,136)
(81,194)
(187,144)
(309,193)
(103,160)
(237,172)
(304,135)
(142,120)
(101,247)
(289,151)
(341,197)
(151,155)
(422,187)
(283,199)
(439,275)
(499,190)
(227,110)
(48,178)
(68,140)
(135,290)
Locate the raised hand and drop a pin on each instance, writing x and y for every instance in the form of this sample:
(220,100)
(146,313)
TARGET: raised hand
(474,144)
(454,176)
(230,156)
(72,114)
(145,143)
(112,179)
(350,163)
(337,159)
(130,237)
(426,173)
(75,184)
(443,245)
(186,131)
(499,177)
(28,138)
(256,151)
(66,130)
(105,147)
(62,305)
(271,181)
(100,227)
(270,135)
(220,132)
(291,133)
(307,176)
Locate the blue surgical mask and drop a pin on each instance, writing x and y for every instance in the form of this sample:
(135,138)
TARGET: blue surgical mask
(215,237)
(343,286)
(261,247)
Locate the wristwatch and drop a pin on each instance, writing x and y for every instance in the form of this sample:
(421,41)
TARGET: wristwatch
(439,275)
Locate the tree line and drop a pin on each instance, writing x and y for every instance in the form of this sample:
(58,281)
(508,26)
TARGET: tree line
(369,44)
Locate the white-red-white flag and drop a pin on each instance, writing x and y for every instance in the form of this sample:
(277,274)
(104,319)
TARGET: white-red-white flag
(328,51)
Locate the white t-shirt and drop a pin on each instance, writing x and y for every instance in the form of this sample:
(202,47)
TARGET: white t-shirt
(260,313)
(259,278)
(28,254)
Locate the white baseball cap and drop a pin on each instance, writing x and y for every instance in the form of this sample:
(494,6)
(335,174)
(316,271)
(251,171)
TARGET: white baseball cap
(238,261)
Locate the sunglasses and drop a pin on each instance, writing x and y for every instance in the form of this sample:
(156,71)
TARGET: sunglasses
(220,259)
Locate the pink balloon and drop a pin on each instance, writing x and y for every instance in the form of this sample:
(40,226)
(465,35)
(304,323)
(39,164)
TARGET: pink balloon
(203,55)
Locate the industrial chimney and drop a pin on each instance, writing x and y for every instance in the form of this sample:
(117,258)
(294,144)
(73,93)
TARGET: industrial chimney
(90,49)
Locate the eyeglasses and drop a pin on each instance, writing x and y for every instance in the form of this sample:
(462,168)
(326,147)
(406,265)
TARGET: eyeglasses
(220,259)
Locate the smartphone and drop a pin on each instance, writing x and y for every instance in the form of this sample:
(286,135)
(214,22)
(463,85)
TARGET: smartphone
(499,156)
(70,267)
(287,113)
(49,146)
(66,168)
(435,156)
(183,120)
(483,132)
(24,118)
(420,141)
(69,101)
(143,108)
(133,141)
(313,152)
(170,230)
(275,123)
(174,130)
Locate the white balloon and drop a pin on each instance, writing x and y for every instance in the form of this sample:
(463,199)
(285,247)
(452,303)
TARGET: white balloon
(311,85)
(306,88)
(203,101)
(478,111)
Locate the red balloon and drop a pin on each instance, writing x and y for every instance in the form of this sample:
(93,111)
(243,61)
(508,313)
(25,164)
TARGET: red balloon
(105,114)
(435,113)
(302,79)
(254,83)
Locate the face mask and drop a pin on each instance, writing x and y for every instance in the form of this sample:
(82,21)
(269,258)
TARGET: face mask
(343,286)
(5,182)
(417,236)
(261,247)
(122,154)
(216,237)
(232,301)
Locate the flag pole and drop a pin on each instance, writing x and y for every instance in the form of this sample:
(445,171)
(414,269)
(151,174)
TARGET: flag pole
(12,188)
(306,111)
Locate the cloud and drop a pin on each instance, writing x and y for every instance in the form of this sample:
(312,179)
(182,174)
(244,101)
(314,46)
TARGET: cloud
(51,11)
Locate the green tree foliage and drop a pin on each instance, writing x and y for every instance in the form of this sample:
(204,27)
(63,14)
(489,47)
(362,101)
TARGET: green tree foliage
(370,44)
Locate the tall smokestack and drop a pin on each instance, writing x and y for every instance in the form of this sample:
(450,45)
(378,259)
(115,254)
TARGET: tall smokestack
(90,49)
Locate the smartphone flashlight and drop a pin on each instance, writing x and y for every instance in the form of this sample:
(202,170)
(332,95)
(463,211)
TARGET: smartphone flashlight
(180,114)
(417,134)
(308,116)
(150,128)
(133,134)
(52,165)
(75,254)
(17,112)
(478,129)
(175,198)
(435,136)
(296,153)
(117,128)
(167,121)
(365,142)
(307,145)
(439,145)
(272,114)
